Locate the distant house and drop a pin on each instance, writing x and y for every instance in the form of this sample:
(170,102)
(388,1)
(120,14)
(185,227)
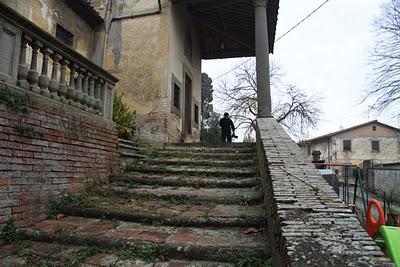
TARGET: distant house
(373,140)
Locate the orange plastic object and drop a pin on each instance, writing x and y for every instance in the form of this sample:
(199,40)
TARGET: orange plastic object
(372,226)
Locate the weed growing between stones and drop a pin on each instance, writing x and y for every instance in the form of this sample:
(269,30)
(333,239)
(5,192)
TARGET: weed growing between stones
(92,193)
(87,252)
(246,259)
(26,250)
(154,154)
(9,234)
(147,254)
(127,253)
(27,131)
(17,103)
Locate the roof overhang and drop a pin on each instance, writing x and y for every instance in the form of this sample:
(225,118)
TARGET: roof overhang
(226,28)
(86,12)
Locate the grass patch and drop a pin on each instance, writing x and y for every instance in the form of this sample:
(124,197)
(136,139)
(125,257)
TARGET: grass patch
(154,154)
(9,234)
(147,254)
(26,250)
(87,252)
(127,253)
(246,259)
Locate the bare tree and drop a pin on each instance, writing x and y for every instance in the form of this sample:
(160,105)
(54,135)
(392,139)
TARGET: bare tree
(292,108)
(385,59)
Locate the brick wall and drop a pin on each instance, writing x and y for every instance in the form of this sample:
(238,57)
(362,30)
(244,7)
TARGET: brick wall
(308,225)
(56,149)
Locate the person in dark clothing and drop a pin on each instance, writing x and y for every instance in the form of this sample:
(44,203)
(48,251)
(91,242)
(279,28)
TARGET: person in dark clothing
(226,126)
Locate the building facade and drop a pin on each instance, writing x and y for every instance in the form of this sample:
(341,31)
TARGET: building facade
(153,48)
(369,141)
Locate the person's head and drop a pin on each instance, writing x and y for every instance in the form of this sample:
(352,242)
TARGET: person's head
(226,115)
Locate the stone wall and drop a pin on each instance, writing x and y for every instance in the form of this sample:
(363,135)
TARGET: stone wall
(47,150)
(308,225)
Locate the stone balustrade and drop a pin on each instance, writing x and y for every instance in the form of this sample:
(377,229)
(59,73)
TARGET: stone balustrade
(38,62)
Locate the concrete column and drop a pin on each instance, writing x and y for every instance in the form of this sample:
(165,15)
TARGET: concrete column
(262,59)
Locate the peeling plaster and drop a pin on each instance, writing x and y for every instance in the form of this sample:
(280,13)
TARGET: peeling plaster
(46,13)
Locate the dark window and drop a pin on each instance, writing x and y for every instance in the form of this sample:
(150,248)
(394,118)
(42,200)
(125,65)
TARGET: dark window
(177,97)
(188,45)
(64,36)
(374,128)
(196,113)
(375,145)
(346,145)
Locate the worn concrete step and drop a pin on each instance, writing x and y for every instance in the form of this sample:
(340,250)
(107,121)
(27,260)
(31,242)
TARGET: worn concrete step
(189,170)
(201,155)
(239,196)
(172,212)
(30,253)
(188,243)
(219,144)
(201,162)
(221,149)
(183,180)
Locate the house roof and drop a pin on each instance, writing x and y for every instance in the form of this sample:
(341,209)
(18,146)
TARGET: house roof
(326,136)
(227,27)
(85,10)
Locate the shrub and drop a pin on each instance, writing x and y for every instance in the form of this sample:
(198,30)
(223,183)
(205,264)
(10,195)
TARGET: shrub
(124,118)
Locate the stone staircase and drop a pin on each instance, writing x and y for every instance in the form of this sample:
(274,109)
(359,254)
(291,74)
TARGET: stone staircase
(179,205)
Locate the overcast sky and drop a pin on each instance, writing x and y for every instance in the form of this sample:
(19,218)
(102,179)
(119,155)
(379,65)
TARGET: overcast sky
(327,55)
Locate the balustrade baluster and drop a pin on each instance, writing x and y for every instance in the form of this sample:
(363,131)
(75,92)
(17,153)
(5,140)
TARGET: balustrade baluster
(33,74)
(85,84)
(44,78)
(71,86)
(62,88)
(53,85)
(97,95)
(78,89)
(92,100)
(23,66)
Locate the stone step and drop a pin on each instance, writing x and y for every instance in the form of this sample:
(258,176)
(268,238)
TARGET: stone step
(28,253)
(188,243)
(200,162)
(239,196)
(189,170)
(183,180)
(130,149)
(221,149)
(199,155)
(172,212)
(199,144)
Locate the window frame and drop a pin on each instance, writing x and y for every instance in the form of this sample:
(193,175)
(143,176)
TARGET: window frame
(175,83)
(348,145)
(62,35)
(196,114)
(372,146)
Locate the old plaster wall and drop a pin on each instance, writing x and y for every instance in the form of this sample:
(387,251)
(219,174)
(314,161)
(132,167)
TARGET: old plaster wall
(137,53)
(48,13)
(179,63)
(361,145)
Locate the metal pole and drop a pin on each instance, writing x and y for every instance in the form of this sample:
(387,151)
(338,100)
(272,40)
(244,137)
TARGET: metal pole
(262,59)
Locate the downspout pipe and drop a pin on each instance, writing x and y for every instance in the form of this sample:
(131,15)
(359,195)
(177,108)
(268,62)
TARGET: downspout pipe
(138,15)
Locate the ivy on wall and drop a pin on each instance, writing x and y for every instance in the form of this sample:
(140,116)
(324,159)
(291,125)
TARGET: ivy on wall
(17,103)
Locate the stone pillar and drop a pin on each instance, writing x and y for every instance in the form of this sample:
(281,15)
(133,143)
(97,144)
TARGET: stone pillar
(262,59)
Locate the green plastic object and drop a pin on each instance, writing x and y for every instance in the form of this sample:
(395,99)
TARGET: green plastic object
(391,235)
